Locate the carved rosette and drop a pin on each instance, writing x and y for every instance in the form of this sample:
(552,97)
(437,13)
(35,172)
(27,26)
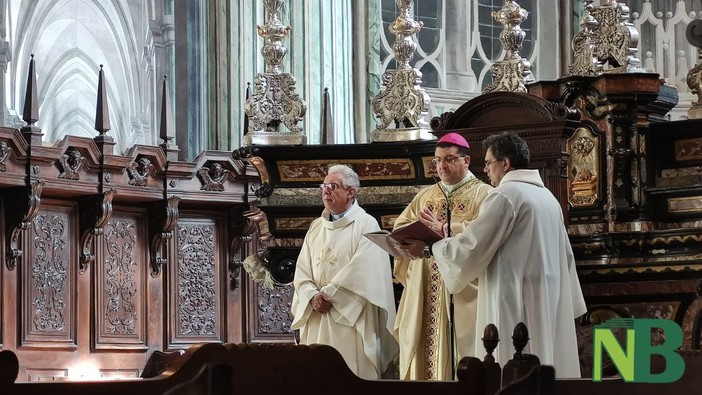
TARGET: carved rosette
(585,61)
(512,72)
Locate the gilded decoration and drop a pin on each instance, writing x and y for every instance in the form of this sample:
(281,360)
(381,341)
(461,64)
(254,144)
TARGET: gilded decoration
(433,308)
(583,168)
(300,223)
(692,204)
(316,170)
(689,149)
(388,221)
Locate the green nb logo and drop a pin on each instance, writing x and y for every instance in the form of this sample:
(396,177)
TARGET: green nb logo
(634,362)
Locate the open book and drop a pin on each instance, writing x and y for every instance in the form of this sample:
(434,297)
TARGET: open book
(416,230)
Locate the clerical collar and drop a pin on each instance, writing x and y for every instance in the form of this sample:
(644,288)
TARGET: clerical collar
(334,217)
(451,188)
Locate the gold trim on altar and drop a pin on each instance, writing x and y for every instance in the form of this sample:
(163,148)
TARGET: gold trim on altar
(367,169)
(691,204)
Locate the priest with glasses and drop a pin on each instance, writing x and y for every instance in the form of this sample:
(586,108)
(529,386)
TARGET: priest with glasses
(343,282)
(429,348)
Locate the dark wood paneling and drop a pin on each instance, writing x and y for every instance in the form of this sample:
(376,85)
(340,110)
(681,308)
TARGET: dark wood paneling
(120,283)
(48,292)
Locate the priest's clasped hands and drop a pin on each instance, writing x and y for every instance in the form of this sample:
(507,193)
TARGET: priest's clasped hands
(320,303)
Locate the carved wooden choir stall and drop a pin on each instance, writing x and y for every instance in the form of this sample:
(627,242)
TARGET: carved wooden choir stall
(109,257)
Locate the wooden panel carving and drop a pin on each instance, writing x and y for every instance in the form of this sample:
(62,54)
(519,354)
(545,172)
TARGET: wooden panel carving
(274,310)
(120,315)
(271,316)
(195,301)
(49,281)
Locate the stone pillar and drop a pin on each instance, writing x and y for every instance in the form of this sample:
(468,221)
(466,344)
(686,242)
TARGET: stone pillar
(459,73)
(5,57)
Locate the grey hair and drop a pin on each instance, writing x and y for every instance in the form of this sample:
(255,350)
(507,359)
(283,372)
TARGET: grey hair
(348,176)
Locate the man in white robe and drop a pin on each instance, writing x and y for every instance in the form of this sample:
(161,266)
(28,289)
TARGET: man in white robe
(518,248)
(343,282)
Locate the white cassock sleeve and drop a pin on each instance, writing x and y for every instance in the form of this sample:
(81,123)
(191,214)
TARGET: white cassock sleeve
(461,259)
(305,288)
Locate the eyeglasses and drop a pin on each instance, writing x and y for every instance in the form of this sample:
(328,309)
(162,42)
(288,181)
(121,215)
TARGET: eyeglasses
(488,163)
(448,160)
(329,186)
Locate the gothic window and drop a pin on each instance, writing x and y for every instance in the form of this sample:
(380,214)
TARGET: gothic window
(429,55)
(458,42)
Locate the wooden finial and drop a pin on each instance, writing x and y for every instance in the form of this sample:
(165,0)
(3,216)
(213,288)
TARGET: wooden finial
(102,113)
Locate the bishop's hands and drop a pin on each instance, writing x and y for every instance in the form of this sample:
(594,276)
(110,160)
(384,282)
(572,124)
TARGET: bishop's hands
(412,248)
(320,303)
(426,216)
